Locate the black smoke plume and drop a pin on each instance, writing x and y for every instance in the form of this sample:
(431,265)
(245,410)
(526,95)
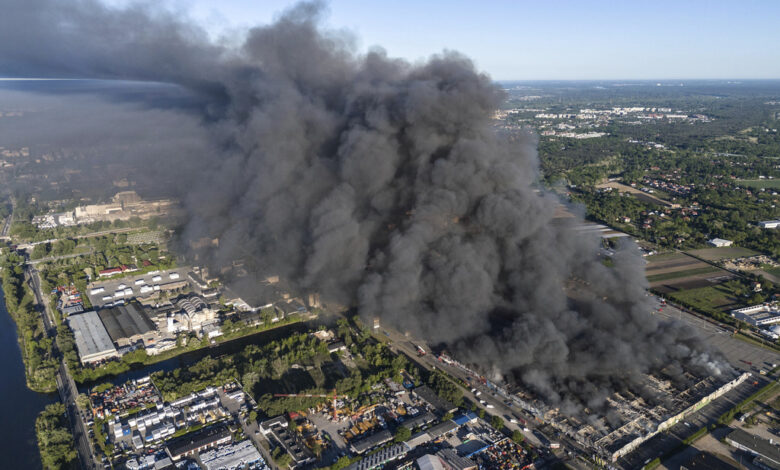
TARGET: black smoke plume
(380,184)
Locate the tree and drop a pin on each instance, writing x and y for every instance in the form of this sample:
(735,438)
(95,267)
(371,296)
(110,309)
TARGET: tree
(517,436)
(402,434)
(497,422)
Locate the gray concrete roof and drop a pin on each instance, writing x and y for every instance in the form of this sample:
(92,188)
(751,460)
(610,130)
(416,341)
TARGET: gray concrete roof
(91,336)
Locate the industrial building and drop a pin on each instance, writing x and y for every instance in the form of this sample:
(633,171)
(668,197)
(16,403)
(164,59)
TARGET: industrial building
(380,458)
(92,339)
(232,456)
(375,440)
(277,428)
(128,324)
(720,242)
(441,405)
(758,315)
(634,420)
(195,442)
(769,223)
(767,453)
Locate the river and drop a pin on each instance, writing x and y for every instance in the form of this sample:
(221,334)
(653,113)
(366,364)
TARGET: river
(19,406)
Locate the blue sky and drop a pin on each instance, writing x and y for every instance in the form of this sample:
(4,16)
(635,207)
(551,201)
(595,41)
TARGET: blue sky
(555,39)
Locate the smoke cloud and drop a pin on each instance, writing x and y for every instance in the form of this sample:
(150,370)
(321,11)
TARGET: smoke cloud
(380,184)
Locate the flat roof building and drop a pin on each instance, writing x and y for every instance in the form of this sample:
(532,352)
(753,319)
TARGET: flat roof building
(92,340)
(769,223)
(720,242)
(441,405)
(755,445)
(758,315)
(380,458)
(231,456)
(368,443)
(189,444)
(128,324)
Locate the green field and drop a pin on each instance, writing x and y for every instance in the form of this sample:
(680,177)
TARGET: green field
(726,252)
(758,184)
(709,299)
(680,274)
(664,256)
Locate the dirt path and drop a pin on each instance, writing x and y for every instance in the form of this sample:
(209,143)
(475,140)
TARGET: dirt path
(623,188)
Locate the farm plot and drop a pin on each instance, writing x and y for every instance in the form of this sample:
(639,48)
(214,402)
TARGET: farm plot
(671,272)
(726,252)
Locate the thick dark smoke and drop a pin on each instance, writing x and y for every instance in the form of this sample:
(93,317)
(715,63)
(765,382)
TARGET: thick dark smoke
(380,184)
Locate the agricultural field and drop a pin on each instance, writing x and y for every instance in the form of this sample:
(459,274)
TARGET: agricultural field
(761,184)
(726,252)
(670,272)
(711,298)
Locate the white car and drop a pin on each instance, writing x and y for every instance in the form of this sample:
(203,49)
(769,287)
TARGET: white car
(96,290)
(120,287)
(107,297)
(128,291)
(489,406)
(174,275)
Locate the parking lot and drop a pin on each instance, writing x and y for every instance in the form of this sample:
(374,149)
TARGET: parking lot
(116,289)
(739,353)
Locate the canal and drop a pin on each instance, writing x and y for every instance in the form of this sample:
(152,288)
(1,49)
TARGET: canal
(189,358)
(19,406)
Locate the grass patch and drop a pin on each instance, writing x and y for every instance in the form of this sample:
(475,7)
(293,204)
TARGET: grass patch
(773,271)
(681,274)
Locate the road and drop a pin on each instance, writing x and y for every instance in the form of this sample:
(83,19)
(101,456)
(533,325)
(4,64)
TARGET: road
(68,394)
(65,384)
(7,223)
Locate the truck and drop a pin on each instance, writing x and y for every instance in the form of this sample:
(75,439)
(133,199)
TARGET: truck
(420,350)
(157,279)
(139,282)
(97,290)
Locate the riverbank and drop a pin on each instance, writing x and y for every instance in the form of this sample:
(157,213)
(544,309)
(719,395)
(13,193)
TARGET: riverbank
(37,349)
(19,406)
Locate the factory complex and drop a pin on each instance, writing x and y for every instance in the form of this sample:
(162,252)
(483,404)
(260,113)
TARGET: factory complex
(760,315)
(153,310)
(640,420)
